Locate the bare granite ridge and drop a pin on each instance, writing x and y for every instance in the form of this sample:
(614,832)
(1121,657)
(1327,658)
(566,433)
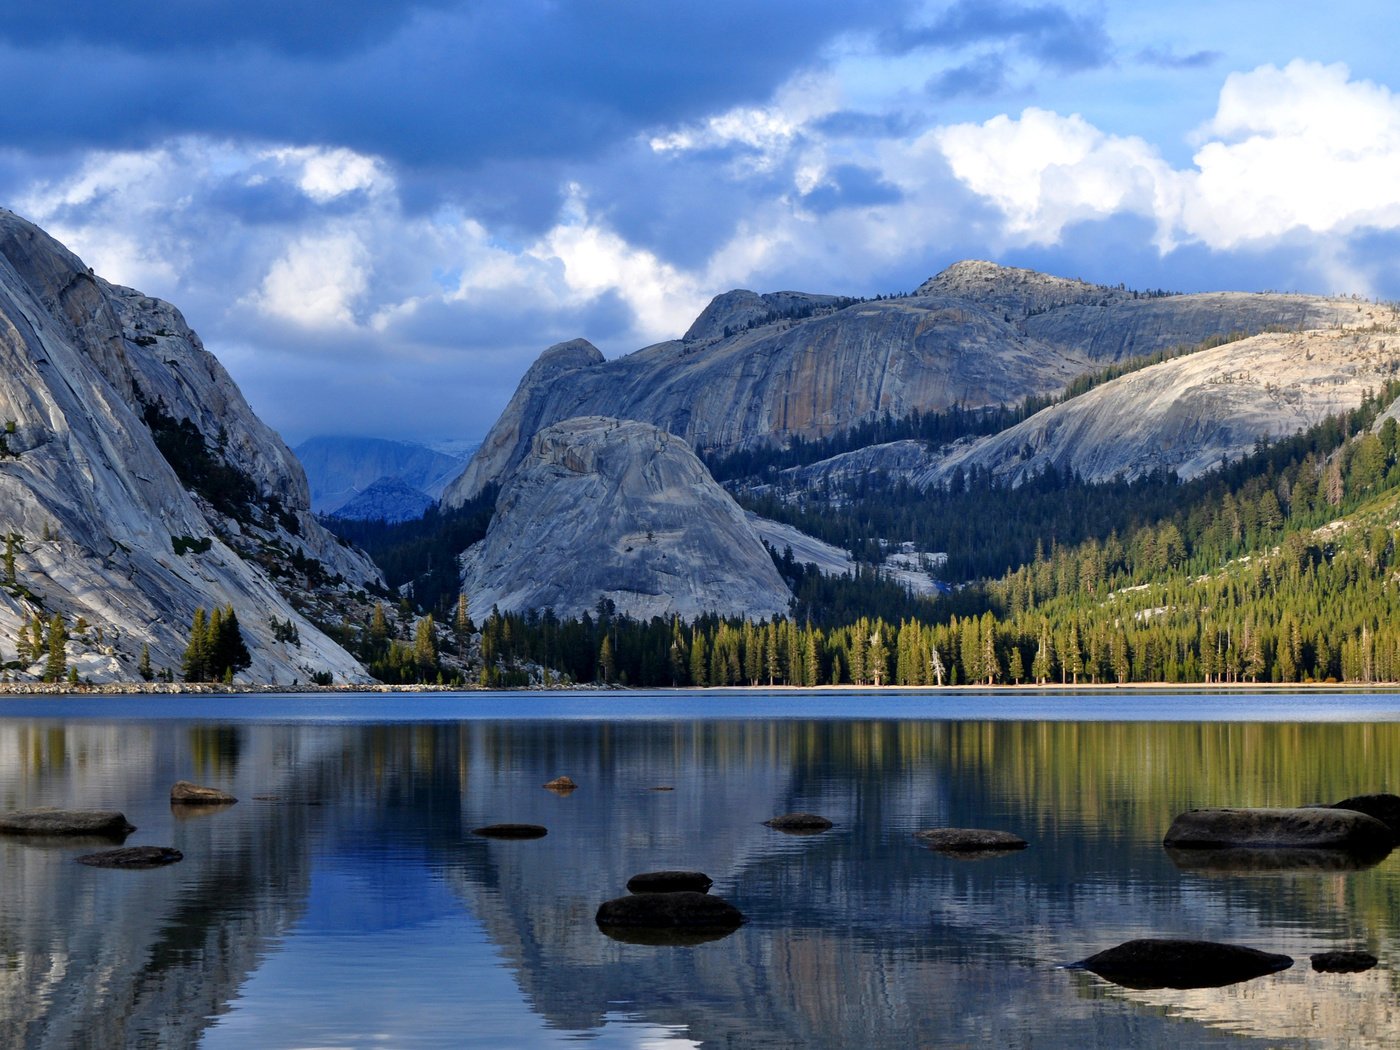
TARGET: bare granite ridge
(109,533)
(759,370)
(619,510)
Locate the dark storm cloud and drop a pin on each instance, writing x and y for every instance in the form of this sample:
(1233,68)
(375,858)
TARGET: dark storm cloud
(447,83)
(851,186)
(1049,33)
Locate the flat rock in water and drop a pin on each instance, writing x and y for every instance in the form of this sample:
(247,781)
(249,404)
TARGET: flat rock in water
(669,882)
(1343,962)
(799,823)
(133,857)
(562,785)
(512,831)
(184,793)
(1384,807)
(1304,828)
(970,840)
(1163,963)
(683,910)
(105,823)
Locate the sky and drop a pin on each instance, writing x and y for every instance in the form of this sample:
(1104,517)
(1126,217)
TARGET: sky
(378,213)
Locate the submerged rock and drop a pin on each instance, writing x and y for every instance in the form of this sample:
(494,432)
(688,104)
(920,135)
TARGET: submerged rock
(669,882)
(687,911)
(799,823)
(1343,962)
(184,793)
(101,822)
(133,857)
(970,840)
(1305,828)
(512,831)
(1384,807)
(1152,962)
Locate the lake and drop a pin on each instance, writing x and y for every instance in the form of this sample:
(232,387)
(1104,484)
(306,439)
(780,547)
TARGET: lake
(344,901)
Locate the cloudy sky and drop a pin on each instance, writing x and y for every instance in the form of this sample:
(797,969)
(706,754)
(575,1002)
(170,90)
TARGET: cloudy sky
(378,213)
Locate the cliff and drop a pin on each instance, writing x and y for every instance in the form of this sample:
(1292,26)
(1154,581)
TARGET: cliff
(138,484)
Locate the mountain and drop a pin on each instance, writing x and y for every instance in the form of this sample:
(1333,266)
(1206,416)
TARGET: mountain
(341,468)
(619,510)
(387,499)
(756,371)
(136,484)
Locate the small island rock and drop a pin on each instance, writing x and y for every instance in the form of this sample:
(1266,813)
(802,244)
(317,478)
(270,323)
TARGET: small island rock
(683,910)
(562,785)
(184,793)
(1152,962)
(669,882)
(809,823)
(133,857)
(102,822)
(1343,962)
(511,831)
(970,840)
(1303,828)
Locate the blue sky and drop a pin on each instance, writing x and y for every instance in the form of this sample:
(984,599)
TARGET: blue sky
(377,214)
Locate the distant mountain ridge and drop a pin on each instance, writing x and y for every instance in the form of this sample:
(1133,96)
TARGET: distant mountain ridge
(340,469)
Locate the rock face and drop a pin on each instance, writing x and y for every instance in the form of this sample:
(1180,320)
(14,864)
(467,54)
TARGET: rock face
(619,510)
(1384,807)
(1188,414)
(755,369)
(340,469)
(106,400)
(1311,828)
(1162,963)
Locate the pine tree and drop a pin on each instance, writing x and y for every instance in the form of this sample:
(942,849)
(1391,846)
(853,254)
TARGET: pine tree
(424,646)
(195,665)
(56,666)
(144,667)
(699,660)
(607,665)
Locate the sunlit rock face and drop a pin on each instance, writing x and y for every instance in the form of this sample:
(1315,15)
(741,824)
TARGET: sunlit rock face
(1192,413)
(109,531)
(756,370)
(619,510)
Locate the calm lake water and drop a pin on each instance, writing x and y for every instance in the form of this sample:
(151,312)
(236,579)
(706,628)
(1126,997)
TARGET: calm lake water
(344,901)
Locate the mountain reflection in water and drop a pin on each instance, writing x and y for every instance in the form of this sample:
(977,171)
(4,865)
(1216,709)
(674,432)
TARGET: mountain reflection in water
(344,901)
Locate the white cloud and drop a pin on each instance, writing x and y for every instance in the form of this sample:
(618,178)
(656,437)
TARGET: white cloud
(325,174)
(1299,148)
(317,282)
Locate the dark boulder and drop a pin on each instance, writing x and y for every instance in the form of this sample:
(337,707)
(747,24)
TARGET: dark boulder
(1163,963)
(184,793)
(511,831)
(669,882)
(103,823)
(1343,962)
(1385,808)
(1304,828)
(133,857)
(685,911)
(970,840)
(799,823)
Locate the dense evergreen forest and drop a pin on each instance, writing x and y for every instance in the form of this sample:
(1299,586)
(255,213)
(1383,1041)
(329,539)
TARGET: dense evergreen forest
(1280,568)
